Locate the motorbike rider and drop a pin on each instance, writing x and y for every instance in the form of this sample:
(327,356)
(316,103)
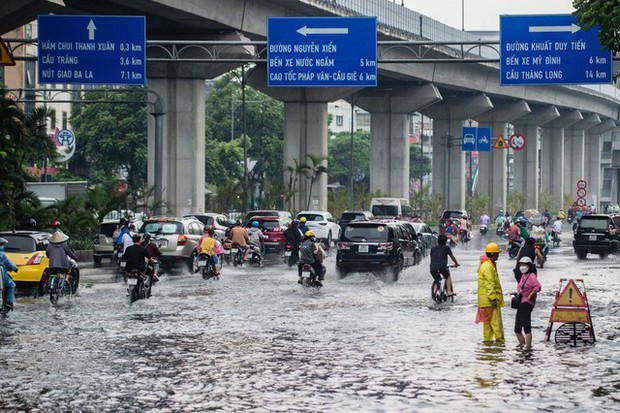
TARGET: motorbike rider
(59,253)
(256,235)
(207,247)
(137,258)
(155,253)
(56,227)
(239,237)
(529,250)
(500,220)
(31,225)
(122,230)
(302,225)
(485,219)
(556,230)
(514,233)
(9,285)
(293,236)
(311,253)
(231,224)
(127,239)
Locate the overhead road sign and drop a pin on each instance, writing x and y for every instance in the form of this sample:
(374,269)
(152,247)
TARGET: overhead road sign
(476,139)
(321,51)
(107,50)
(551,49)
(6,57)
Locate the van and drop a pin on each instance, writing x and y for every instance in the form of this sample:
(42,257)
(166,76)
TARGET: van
(390,208)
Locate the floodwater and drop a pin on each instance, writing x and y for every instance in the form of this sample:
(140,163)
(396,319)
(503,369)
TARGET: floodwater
(256,341)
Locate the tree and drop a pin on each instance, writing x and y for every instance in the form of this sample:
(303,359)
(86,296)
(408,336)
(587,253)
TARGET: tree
(419,164)
(315,170)
(339,147)
(604,13)
(112,136)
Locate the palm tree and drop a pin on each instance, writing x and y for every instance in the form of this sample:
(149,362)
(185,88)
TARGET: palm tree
(294,171)
(314,172)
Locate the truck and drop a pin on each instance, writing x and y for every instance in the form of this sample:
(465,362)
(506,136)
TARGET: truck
(52,192)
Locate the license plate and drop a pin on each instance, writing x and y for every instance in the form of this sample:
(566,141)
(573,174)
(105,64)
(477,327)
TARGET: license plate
(592,237)
(362,248)
(162,244)
(132,281)
(234,250)
(287,253)
(226,252)
(202,263)
(123,264)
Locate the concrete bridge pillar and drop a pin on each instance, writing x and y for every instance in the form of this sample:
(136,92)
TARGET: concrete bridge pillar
(492,166)
(574,154)
(593,152)
(448,160)
(525,164)
(389,129)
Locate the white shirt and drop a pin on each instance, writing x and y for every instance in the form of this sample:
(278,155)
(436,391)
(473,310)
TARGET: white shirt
(127,241)
(557,226)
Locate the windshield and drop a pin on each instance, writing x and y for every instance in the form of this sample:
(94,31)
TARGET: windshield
(19,244)
(599,224)
(108,229)
(162,228)
(269,225)
(363,233)
(350,216)
(205,220)
(311,217)
(384,210)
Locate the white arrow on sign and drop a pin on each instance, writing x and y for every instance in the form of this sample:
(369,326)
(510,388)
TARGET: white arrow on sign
(573,28)
(304,31)
(91,30)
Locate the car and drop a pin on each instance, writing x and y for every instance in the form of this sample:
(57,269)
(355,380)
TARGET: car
(323,225)
(450,214)
(397,208)
(419,248)
(273,228)
(26,249)
(175,237)
(348,216)
(286,216)
(378,246)
(426,235)
(597,234)
(219,222)
(104,241)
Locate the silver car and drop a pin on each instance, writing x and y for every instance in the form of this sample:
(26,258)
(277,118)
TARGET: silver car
(176,238)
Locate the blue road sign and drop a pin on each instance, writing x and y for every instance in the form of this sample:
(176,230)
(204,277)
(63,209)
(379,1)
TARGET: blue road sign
(551,49)
(108,50)
(476,139)
(321,51)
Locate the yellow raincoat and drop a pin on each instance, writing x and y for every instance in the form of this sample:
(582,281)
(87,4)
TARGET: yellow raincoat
(489,288)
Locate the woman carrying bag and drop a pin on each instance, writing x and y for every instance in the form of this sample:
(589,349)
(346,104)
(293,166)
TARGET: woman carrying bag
(527,289)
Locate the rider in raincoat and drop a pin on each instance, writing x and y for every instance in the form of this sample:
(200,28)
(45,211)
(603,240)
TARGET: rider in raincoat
(490,296)
(9,285)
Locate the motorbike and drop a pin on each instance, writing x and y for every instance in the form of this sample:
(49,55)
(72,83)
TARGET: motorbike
(227,255)
(237,255)
(291,255)
(556,239)
(137,286)
(500,231)
(308,277)
(483,229)
(514,247)
(255,256)
(206,267)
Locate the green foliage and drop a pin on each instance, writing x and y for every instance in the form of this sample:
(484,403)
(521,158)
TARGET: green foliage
(223,161)
(112,135)
(340,156)
(604,13)
(418,164)
(315,170)
(476,205)
(515,201)
(568,201)
(338,202)
(546,200)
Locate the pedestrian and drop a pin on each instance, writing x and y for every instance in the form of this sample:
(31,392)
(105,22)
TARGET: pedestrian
(528,287)
(490,296)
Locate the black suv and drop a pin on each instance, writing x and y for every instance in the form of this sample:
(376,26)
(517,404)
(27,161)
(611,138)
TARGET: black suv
(597,234)
(375,245)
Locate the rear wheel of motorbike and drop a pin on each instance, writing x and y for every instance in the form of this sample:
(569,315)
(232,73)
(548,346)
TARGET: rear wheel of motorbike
(133,296)
(513,251)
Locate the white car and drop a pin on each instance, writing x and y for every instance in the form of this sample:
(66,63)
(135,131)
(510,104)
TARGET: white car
(322,224)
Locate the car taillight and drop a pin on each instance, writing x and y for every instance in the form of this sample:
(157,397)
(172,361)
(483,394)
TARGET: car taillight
(385,246)
(182,240)
(227,245)
(343,246)
(35,259)
(288,246)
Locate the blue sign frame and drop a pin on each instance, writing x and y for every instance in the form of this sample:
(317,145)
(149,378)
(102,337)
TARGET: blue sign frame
(550,50)
(321,51)
(476,139)
(106,50)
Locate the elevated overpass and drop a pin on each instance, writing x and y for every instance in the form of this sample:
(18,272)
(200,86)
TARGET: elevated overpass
(570,119)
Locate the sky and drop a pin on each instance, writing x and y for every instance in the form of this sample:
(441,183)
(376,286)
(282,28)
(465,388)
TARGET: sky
(484,14)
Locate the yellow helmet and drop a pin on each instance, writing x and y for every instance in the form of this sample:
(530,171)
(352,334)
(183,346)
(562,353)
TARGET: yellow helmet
(302,219)
(309,234)
(492,248)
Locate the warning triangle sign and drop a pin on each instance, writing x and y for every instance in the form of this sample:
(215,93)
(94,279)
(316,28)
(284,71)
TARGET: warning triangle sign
(570,296)
(500,143)
(6,58)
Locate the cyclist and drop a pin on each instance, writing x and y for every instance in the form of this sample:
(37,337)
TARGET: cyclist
(311,253)
(59,253)
(302,225)
(6,266)
(207,247)
(439,264)
(239,236)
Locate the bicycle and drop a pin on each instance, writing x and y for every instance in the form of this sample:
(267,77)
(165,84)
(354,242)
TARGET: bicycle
(440,294)
(59,286)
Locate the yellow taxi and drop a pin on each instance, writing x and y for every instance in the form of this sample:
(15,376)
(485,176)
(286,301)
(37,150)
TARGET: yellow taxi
(26,249)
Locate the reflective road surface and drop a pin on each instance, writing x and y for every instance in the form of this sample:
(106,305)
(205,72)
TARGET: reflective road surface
(255,341)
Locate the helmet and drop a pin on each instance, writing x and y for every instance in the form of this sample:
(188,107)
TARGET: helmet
(55,224)
(525,260)
(231,222)
(492,248)
(32,222)
(255,224)
(309,234)
(3,241)
(147,237)
(302,219)
(238,222)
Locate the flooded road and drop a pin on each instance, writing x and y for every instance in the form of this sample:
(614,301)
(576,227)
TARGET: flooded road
(255,341)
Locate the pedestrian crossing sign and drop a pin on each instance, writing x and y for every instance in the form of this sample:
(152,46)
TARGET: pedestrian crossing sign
(500,143)
(6,58)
